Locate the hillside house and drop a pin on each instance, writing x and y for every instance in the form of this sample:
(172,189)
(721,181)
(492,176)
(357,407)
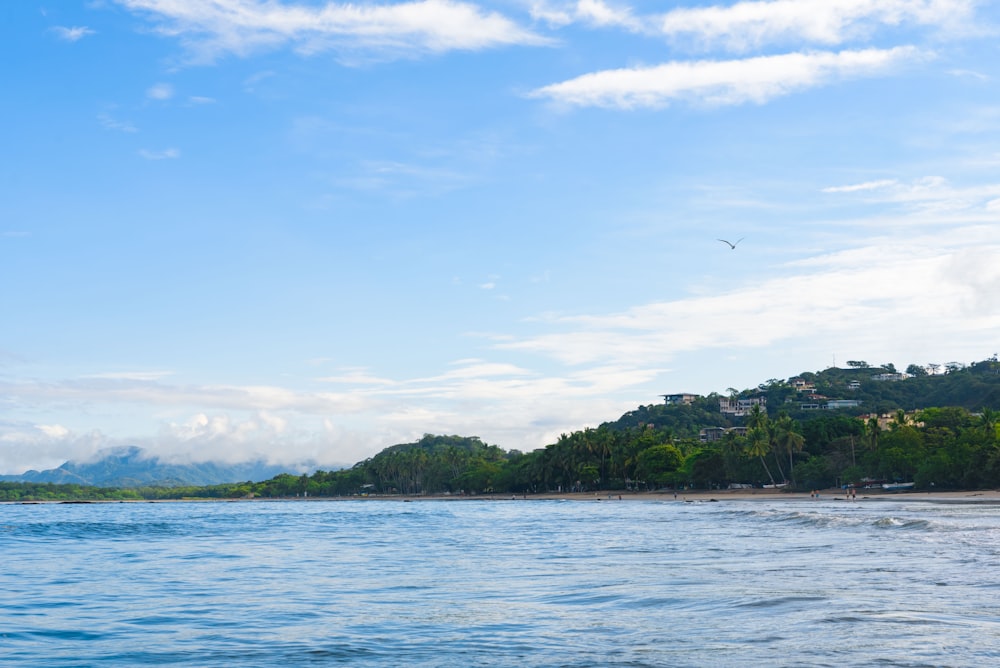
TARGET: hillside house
(834,404)
(679,399)
(801,385)
(741,407)
(890,377)
(713,434)
(886,420)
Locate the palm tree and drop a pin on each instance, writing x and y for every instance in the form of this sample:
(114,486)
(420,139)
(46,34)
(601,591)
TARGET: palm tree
(758,436)
(988,419)
(772,437)
(757,418)
(732,450)
(872,431)
(758,445)
(787,439)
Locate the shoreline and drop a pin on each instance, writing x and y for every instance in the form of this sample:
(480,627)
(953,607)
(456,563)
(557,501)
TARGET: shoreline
(689,496)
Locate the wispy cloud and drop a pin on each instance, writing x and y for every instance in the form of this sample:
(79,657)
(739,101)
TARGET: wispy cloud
(595,13)
(240,27)
(132,375)
(750,25)
(729,82)
(856,187)
(160,91)
(923,279)
(74,34)
(250,83)
(53,430)
(403,180)
(744,26)
(111,123)
(969,74)
(933,196)
(166,154)
(355,376)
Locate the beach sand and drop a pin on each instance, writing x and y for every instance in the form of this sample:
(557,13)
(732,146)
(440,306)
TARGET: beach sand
(726,495)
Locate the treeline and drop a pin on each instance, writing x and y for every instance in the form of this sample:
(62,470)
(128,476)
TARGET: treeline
(31,491)
(937,448)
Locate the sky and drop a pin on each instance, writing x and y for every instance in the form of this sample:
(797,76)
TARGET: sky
(305,230)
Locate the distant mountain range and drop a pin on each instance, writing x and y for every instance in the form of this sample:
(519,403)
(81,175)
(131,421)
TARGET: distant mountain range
(131,466)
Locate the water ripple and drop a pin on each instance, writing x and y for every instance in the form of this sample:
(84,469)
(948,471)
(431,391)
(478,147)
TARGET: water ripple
(485,583)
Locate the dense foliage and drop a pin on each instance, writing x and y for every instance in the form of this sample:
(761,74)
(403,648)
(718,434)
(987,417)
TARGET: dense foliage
(942,433)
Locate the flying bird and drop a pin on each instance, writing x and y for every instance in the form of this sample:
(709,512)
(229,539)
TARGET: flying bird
(730,243)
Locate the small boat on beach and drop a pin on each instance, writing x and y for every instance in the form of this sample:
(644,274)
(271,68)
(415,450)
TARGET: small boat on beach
(897,486)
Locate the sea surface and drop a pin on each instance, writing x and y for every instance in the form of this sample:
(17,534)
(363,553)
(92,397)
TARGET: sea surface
(501,583)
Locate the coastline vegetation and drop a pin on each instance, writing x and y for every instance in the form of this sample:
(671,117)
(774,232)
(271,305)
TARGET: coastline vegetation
(937,430)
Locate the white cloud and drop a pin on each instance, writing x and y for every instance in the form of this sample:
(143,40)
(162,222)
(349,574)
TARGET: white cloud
(727,82)
(73,34)
(832,298)
(26,446)
(132,375)
(111,123)
(934,197)
(856,187)
(969,74)
(53,431)
(356,377)
(239,27)
(504,403)
(250,83)
(743,26)
(595,13)
(166,154)
(747,25)
(160,91)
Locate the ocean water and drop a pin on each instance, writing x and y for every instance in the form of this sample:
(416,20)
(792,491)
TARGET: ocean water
(501,583)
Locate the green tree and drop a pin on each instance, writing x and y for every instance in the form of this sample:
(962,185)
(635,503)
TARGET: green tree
(758,437)
(988,419)
(872,433)
(787,440)
(658,463)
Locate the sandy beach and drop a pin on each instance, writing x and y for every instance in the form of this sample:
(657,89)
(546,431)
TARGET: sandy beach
(986,496)
(689,496)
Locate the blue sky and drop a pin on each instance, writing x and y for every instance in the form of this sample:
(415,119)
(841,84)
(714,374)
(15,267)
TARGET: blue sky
(307,230)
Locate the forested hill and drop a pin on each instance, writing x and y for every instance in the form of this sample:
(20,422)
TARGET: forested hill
(884,390)
(877,389)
